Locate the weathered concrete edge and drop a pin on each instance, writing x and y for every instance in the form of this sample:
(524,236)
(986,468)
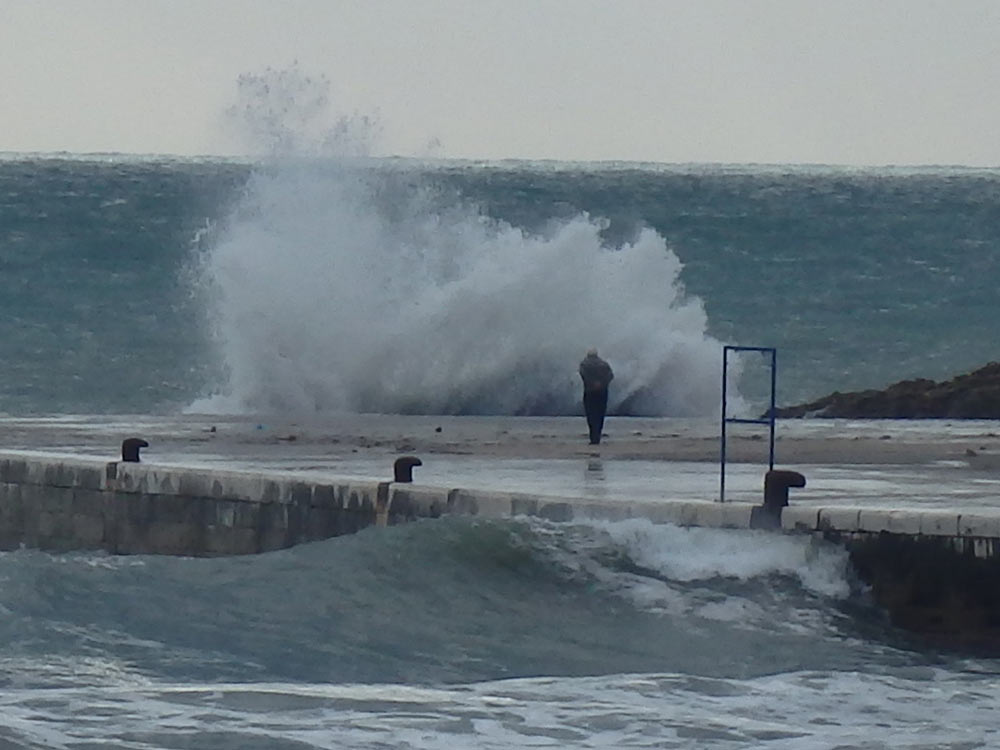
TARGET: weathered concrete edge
(421,501)
(388,502)
(967,532)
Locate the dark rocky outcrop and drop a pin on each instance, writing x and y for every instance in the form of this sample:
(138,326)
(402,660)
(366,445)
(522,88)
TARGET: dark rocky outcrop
(975,395)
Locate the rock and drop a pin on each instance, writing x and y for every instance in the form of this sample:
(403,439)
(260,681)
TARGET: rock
(975,395)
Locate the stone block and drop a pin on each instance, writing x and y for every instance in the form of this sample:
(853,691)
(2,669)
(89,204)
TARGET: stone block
(979,525)
(145,479)
(359,499)
(58,475)
(408,502)
(59,531)
(523,504)
(166,538)
(554,510)
(270,492)
(131,538)
(844,519)
(56,471)
(222,513)
(873,520)
(141,510)
(904,522)
(168,508)
(221,540)
(273,519)
(705,514)
(322,523)
(298,493)
(54,500)
(238,486)
(671,511)
(46,525)
(715,515)
(90,477)
(34,472)
(325,496)
(800,518)
(129,477)
(735,515)
(371,492)
(14,470)
(939,523)
(985,549)
(89,502)
(695,513)
(246,514)
(480,503)
(11,506)
(162,482)
(88,530)
(188,484)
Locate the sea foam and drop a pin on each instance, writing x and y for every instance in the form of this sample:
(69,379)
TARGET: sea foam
(698,554)
(343,287)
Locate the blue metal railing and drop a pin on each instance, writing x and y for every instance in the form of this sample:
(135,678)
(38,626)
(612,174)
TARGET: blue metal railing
(726,419)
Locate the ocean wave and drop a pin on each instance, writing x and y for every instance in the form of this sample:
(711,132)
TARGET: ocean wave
(450,600)
(337,288)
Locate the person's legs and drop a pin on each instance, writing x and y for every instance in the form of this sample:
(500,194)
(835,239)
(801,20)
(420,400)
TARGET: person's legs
(595,404)
(590,411)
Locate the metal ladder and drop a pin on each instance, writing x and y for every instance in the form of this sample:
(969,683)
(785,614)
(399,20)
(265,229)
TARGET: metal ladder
(735,420)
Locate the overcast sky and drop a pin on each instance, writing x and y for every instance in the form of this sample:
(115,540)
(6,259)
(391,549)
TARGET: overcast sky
(776,81)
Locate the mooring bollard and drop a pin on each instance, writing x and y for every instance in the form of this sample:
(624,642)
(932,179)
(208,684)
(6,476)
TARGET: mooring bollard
(776,485)
(130,449)
(402,469)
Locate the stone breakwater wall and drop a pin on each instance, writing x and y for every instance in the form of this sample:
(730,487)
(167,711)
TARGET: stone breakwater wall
(61,503)
(72,503)
(936,572)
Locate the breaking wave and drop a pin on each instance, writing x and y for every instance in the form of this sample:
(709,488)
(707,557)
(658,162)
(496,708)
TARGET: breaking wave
(345,283)
(344,287)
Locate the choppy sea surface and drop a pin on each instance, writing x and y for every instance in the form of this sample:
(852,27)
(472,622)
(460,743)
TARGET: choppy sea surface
(458,633)
(155,285)
(159,286)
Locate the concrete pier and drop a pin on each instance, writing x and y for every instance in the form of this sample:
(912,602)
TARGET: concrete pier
(72,502)
(933,566)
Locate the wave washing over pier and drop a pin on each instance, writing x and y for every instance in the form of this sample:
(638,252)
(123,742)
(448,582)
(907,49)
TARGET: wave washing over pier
(300,294)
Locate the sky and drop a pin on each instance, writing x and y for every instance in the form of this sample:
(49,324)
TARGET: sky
(872,82)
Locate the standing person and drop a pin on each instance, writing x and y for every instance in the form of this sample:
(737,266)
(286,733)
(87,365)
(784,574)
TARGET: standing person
(596,375)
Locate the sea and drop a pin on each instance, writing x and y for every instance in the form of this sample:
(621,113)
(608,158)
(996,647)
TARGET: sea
(321,286)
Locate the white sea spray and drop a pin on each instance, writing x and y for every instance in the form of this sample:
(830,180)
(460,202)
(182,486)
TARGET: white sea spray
(697,554)
(324,302)
(338,284)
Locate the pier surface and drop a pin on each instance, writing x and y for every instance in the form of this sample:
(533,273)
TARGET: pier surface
(918,477)
(893,464)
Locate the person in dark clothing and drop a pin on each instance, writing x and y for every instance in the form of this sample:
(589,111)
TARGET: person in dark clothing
(596,375)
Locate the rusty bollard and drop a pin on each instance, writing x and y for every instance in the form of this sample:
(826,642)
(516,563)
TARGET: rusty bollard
(776,485)
(130,449)
(402,469)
